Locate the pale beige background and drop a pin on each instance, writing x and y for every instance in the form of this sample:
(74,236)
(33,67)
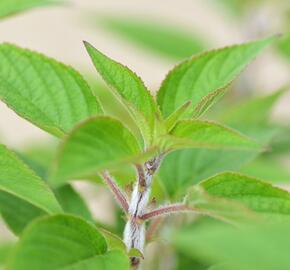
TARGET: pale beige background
(59,31)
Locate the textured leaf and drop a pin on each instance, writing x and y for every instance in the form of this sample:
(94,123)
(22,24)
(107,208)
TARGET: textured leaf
(126,83)
(199,134)
(205,76)
(97,144)
(9,7)
(259,196)
(64,242)
(219,208)
(163,39)
(260,247)
(47,93)
(18,180)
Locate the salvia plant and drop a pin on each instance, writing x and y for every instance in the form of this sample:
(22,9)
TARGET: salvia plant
(167,143)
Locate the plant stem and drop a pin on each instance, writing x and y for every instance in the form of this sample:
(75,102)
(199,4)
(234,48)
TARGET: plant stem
(134,233)
(119,195)
(166,210)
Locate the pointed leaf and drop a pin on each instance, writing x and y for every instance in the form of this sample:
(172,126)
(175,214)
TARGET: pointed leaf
(64,242)
(259,196)
(205,76)
(18,180)
(47,93)
(199,134)
(97,144)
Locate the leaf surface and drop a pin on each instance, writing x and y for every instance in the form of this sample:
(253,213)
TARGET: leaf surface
(259,196)
(97,144)
(203,78)
(64,242)
(18,180)
(198,134)
(45,92)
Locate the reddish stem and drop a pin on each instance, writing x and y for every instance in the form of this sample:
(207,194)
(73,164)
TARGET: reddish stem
(119,195)
(165,210)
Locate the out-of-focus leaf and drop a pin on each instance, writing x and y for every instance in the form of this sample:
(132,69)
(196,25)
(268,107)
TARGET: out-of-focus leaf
(284,47)
(269,169)
(97,144)
(203,78)
(113,241)
(259,196)
(45,92)
(161,38)
(10,7)
(5,249)
(261,247)
(64,242)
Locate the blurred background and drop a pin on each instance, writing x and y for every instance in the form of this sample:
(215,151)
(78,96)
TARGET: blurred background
(150,37)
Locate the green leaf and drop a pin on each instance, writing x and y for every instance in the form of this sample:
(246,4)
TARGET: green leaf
(10,7)
(127,85)
(284,47)
(113,241)
(203,78)
(219,208)
(5,249)
(18,180)
(199,134)
(64,242)
(269,169)
(259,196)
(261,247)
(183,168)
(47,93)
(97,144)
(164,39)
(72,202)
(254,111)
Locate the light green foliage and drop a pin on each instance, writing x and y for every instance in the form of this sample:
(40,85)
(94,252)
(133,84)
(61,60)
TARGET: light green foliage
(203,78)
(205,134)
(161,38)
(49,94)
(76,245)
(10,7)
(261,247)
(219,208)
(18,180)
(97,144)
(259,196)
(4,252)
(284,46)
(183,168)
(129,87)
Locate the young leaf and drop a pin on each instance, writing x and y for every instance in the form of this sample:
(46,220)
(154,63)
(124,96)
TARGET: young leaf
(18,180)
(64,242)
(199,134)
(127,85)
(259,196)
(163,39)
(261,247)
(203,78)
(47,93)
(219,208)
(97,144)
(10,7)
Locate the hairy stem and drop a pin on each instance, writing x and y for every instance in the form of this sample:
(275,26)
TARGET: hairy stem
(166,210)
(134,233)
(119,195)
